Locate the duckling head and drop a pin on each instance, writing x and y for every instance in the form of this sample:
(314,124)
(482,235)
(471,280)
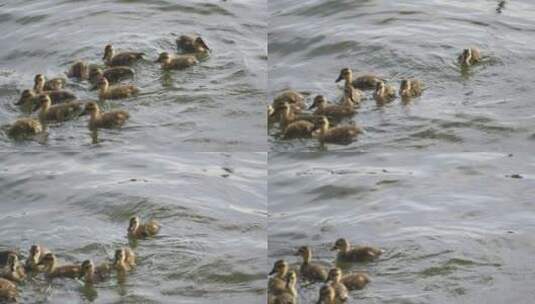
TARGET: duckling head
(345,73)
(186,42)
(163,58)
(200,45)
(134,224)
(305,252)
(12,262)
(26,94)
(334,275)
(466,56)
(95,73)
(39,82)
(318,101)
(341,244)
(103,84)
(86,267)
(120,256)
(380,88)
(44,102)
(405,87)
(280,268)
(327,294)
(90,108)
(48,260)
(321,124)
(35,252)
(108,52)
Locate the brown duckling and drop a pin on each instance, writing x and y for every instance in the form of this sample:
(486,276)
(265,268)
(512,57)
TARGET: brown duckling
(125,58)
(115,92)
(59,112)
(8,290)
(384,93)
(189,44)
(293,98)
(334,280)
(91,274)
(410,88)
(277,283)
(30,99)
(25,128)
(469,57)
(327,295)
(14,271)
(287,115)
(356,94)
(337,135)
(113,74)
(36,255)
(124,260)
(79,70)
(179,62)
(51,269)
(362,82)
(54,84)
(310,271)
(343,110)
(354,281)
(357,254)
(138,230)
(289,294)
(107,120)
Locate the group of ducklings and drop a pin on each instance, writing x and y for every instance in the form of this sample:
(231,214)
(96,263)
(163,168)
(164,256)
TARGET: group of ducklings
(287,109)
(41,260)
(55,104)
(282,284)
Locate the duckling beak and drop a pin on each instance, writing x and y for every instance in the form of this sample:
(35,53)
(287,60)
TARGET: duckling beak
(18,103)
(334,248)
(83,113)
(272,271)
(339,78)
(312,106)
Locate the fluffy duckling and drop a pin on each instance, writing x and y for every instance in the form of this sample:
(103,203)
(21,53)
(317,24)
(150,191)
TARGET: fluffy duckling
(25,128)
(54,84)
(334,280)
(91,274)
(343,110)
(327,295)
(287,115)
(112,74)
(78,70)
(179,62)
(107,120)
(469,57)
(51,269)
(410,88)
(8,290)
(277,283)
(357,254)
(354,281)
(293,98)
(347,75)
(336,135)
(362,82)
(189,44)
(36,255)
(125,259)
(310,271)
(30,99)
(138,230)
(125,58)
(59,112)
(14,271)
(115,92)
(289,294)
(384,93)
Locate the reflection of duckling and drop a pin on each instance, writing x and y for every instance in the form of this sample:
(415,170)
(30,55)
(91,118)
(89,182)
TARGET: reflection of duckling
(14,271)
(357,254)
(327,295)
(54,84)
(125,259)
(277,283)
(25,128)
(289,294)
(91,274)
(176,62)
(346,109)
(356,94)
(293,98)
(107,120)
(337,135)
(310,271)
(8,290)
(112,74)
(189,44)
(37,253)
(138,230)
(469,57)
(124,58)
(334,280)
(384,93)
(115,92)
(51,269)
(59,112)
(410,88)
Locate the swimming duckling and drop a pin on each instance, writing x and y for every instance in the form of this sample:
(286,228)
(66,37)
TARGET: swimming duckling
(327,295)
(353,281)
(410,88)
(289,295)
(25,128)
(30,99)
(384,93)
(469,57)
(277,283)
(334,280)
(54,84)
(59,112)
(91,274)
(287,115)
(79,70)
(107,120)
(343,110)
(14,270)
(336,135)
(189,44)
(8,290)
(115,92)
(138,230)
(125,58)
(356,94)
(176,62)
(51,269)
(362,82)
(124,260)
(112,74)
(310,271)
(293,98)
(36,255)
(357,254)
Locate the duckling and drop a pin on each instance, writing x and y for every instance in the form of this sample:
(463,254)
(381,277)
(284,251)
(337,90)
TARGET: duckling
(363,82)
(189,44)
(343,110)
(310,271)
(410,88)
(289,295)
(277,283)
(8,290)
(25,128)
(327,295)
(4,256)
(293,98)
(298,129)
(59,112)
(113,74)
(469,57)
(334,280)
(107,120)
(287,115)
(79,70)
(51,269)
(384,93)
(30,99)
(91,274)
(115,92)
(14,271)
(179,62)
(336,135)
(138,230)
(124,260)
(358,254)
(36,255)
(125,58)
(54,84)
(353,281)
(347,75)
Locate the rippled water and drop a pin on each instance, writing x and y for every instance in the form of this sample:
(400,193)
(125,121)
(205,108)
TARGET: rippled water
(455,227)
(212,207)
(214,106)
(484,109)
